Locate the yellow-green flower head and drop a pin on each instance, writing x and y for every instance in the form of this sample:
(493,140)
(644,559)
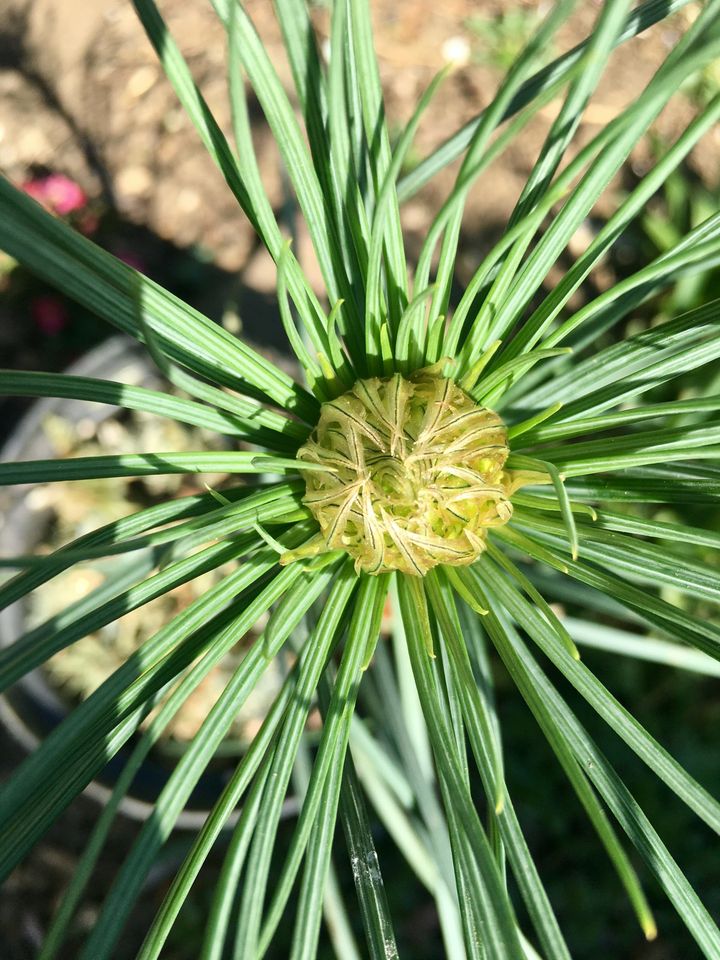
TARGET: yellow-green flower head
(418,474)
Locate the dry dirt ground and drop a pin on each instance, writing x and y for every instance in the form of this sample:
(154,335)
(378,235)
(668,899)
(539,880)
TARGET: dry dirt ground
(82,93)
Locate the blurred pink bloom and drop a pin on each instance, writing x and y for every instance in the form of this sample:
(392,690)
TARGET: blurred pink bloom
(57,192)
(88,223)
(49,314)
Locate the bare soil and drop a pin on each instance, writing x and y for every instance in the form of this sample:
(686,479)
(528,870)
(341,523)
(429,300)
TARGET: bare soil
(82,92)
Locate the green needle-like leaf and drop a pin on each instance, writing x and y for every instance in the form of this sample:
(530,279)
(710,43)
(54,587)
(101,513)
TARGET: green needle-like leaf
(146,464)
(499,928)
(313,660)
(128,883)
(363,631)
(482,739)
(371,894)
(118,294)
(628,644)
(298,596)
(643,17)
(555,717)
(82,736)
(254,422)
(621,721)
(197,523)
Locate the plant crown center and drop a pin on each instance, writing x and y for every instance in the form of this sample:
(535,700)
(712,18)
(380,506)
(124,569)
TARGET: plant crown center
(418,473)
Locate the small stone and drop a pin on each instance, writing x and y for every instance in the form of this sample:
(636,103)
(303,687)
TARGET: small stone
(33,145)
(85,428)
(134,181)
(141,81)
(188,200)
(38,498)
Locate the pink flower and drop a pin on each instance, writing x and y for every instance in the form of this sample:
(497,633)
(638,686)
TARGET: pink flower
(35,189)
(57,192)
(49,314)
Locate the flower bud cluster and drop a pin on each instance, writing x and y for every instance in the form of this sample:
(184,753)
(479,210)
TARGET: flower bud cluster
(417,474)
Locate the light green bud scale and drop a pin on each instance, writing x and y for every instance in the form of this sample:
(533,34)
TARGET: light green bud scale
(416,474)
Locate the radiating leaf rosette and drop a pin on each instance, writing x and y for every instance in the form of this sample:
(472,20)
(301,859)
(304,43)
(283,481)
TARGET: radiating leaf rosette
(418,473)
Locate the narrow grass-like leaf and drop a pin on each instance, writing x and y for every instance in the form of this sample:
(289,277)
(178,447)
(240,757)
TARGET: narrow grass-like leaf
(216,931)
(566,512)
(323,106)
(632,416)
(163,546)
(58,928)
(372,898)
(379,156)
(529,425)
(192,519)
(168,709)
(297,597)
(408,735)
(599,45)
(146,464)
(697,252)
(672,620)
(313,660)
(481,280)
(635,365)
(262,212)
(254,58)
(642,18)
(364,625)
(559,722)
(500,931)
(612,640)
(514,286)
(129,880)
(488,389)
(363,634)
(337,921)
(648,447)
(80,745)
(442,604)
(118,294)
(385,207)
(407,834)
(646,562)
(447,222)
(615,715)
(594,811)
(473,908)
(512,292)
(241,175)
(664,483)
(348,155)
(313,370)
(540,320)
(681,532)
(484,744)
(503,561)
(261,426)
(97,609)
